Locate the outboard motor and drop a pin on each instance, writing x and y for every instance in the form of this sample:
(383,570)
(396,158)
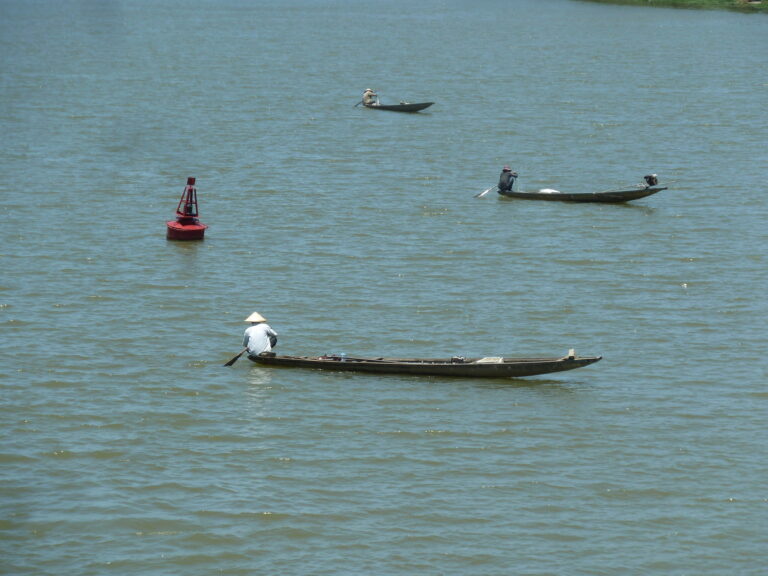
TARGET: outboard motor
(651,179)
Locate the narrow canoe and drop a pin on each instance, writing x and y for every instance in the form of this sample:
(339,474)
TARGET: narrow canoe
(402,107)
(609,196)
(488,367)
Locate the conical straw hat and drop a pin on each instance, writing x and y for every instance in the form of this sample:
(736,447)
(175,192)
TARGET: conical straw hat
(255,317)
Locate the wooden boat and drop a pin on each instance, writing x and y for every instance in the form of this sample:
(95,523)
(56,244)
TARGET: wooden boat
(402,107)
(609,196)
(488,367)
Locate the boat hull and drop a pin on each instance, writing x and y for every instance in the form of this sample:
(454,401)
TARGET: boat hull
(402,107)
(454,367)
(609,196)
(179,231)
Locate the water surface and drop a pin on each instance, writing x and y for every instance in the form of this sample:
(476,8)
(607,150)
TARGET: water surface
(129,449)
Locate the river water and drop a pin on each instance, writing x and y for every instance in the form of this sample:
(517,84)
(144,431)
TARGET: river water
(127,448)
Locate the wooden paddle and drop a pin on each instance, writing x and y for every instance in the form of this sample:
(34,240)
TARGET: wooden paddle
(358,104)
(484,192)
(236,357)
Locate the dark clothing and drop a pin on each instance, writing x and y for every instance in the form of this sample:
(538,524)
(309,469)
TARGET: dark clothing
(650,180)
(506,181)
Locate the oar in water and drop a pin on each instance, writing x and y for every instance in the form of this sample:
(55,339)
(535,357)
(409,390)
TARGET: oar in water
(358,104)
(484,192)
(236,357)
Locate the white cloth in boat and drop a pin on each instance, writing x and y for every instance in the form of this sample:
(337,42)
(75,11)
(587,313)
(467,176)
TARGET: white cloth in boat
(490,360)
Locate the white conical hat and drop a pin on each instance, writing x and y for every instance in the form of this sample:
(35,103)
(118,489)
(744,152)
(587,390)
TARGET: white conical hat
(255,317)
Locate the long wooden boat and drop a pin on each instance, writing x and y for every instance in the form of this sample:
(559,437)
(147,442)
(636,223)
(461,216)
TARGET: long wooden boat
(488,367)
(609,196)
(402,107)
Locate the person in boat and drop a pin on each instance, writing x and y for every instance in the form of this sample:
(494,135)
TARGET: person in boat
(370,98)
(651,180)
(506,179)
(259,337)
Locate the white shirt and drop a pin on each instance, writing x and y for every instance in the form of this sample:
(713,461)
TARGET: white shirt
(256,338)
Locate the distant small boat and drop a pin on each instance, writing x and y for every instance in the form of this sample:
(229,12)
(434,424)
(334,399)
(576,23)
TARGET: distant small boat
(488,367)
(402,107)
(609,196)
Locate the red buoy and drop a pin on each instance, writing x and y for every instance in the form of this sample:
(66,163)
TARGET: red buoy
(187,226)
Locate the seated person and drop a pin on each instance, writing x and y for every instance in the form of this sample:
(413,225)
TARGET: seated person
(370,98)
(506,179)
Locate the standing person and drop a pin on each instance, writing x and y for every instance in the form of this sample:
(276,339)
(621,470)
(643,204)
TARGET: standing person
(506,179)
(370,98)
(259,337)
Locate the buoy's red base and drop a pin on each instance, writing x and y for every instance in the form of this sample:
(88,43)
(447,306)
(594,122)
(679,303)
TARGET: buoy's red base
(185,231)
